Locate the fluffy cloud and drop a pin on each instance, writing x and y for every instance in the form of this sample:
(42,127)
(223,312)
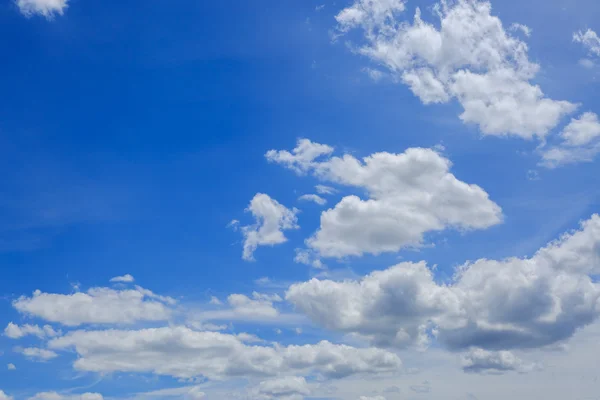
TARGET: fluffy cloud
(590,40)
(183,353)
(123,279)
(469,57)
(15,331)
(494,362)
(272,219)
(580,142)
(11,367)
(259,306)
(409,194)
(492,305)
(58,396)
(46,8)
(314,198)
(287,388)
(302,157)
(4,396)
(97,306)
(35,353)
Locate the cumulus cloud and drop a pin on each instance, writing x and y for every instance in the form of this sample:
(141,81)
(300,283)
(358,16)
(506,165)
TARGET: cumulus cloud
(493,362)
(301,158)
(38,354)
(123,279)
(409,194)
(286,388)
(15,331)
(590,40)
(271,219)
(493,305)
(97,306)
(314,198)
(183,353)
(580,142)
(469,57)
(46,8)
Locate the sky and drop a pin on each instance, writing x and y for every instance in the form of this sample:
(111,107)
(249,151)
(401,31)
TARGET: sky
(299,200)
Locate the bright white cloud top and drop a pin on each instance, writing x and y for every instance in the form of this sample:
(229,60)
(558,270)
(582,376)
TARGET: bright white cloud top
(45,8)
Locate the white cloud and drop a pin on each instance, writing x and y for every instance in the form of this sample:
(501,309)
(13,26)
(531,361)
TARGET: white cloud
(272,219)
(590,40)
(520,27)
(587,63)
(287,388)
(15,331)
(493,305)
(96,306)
(46,8)
(410,194)
(244,306)
(308,257)
(371,398)
(38,354)
(58,396)
(302,157)
(469,57)
(4,396)
(493,362)
(314,198)
(183,353)
(123,279)
(580,142)
(11,367)
(325,190)
(215,301)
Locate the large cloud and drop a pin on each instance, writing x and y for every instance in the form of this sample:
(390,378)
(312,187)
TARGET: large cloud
(184,353)
(271,219)
(493,305)
(409,194)
(469,57)
(97,306)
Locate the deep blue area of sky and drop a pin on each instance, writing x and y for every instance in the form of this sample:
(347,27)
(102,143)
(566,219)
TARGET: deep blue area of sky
(131,133)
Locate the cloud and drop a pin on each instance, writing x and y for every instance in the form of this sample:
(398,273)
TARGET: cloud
(46,8)
(522,28)
(287,388)
(272,219)
(4,396)
(15,331)
(302,156)
(58,396)
(590,40)
(258,307)
(183,353)
(314,198)
(38,354)
(97,306)
(371,398)
(409,194)
(11,367)
(325,190)
(493,362)
(493,305)
(469,57)
(123,279)
(580,142)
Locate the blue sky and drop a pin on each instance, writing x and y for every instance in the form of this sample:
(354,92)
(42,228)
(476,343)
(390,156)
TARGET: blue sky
(156,143)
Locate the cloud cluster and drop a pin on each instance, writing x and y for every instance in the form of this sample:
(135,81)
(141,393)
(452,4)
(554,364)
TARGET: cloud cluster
(97,306)
(492,305)
(271,219)
(469,57)
(580,142)
(409,194)
(493,362)
(590,40)
(184,353)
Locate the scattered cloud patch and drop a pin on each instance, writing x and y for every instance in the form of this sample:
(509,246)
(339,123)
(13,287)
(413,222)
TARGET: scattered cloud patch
(272,218)
(314,198)
(11,367)
(580,142)
(45,8)
(493,362)
(409,194)
(14,331)
(38,354)
(123,279)
(590,40)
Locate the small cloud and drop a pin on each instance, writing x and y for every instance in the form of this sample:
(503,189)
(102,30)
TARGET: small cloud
(322,189)
(278,331)
(523,28)
(122,279)
(587,63)
(314,198)
(533,175)
(374,74)
(215,301)
(320,7)
(46,8)
(11,367)
(299,331)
